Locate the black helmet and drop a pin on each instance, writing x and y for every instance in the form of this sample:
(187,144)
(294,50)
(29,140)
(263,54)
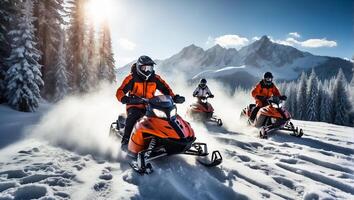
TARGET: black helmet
(268,78)
(268,75)
(145,66)
(202,83)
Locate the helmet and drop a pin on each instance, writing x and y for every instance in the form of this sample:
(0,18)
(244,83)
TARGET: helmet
(202,83)
(145,66)
(268,78)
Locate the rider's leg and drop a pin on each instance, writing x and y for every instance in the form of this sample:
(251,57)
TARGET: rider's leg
(133,115)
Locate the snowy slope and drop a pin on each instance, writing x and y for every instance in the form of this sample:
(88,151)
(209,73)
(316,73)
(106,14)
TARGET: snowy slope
(72,157)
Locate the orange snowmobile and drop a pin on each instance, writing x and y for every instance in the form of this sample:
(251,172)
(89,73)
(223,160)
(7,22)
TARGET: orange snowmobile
(202,110)
(271,118)
(162,132)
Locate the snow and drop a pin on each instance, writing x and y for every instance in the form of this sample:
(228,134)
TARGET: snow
(63,152)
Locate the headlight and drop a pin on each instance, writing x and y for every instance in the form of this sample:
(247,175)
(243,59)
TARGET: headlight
(159,113)
(173,112)
(280,105)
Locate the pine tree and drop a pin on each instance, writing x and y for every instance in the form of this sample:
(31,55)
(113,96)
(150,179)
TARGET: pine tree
(106,61)
(7,12)
(92,55)
(290,92)
(23,78)
(301,97)
(324,104)
(76,36)
(84,76)
(312,98)
(61,81)
(341,104)
(49,14)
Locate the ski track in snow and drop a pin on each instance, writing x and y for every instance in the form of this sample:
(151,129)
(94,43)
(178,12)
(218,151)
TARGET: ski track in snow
(318,166)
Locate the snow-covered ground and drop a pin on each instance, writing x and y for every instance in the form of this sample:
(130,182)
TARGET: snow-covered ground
(67,154)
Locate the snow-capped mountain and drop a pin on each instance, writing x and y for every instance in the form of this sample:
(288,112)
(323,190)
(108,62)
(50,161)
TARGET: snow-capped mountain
(285,62)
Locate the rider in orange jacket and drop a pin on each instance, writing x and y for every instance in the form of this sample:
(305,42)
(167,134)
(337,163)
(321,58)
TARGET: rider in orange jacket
(264,90)
(141,83)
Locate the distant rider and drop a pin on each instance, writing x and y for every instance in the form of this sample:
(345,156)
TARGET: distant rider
(262,92)
(202,91)
(141,83)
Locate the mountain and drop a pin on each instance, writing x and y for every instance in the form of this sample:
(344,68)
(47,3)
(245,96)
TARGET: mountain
(285,62)
(263,52)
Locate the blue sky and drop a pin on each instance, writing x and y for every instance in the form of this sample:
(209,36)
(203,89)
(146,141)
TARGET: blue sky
(161,28)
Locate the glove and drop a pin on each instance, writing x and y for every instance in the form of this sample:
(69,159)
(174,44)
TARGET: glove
(261,98)
(178,99)
(211,96)
(283,97)
(132,100)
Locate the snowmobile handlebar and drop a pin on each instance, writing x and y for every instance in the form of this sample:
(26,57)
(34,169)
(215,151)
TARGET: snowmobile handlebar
(276,99)
(140,100)
(206,97)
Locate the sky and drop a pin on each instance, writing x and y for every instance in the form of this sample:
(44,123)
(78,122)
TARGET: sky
(161,28)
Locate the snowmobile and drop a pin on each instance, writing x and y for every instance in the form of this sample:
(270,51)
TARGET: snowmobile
(271,118)
(162,132)
(202,110)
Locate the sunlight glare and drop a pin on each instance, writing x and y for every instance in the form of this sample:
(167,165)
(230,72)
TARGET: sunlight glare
(99,10)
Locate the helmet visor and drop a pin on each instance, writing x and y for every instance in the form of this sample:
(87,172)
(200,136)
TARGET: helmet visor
(147,68)
(268,79)
(202,85)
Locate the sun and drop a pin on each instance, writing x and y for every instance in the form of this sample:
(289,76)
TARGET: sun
(99,10)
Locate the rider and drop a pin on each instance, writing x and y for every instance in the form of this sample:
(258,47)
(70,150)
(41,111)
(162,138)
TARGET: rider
(202,90)
(264,90)
(141,83)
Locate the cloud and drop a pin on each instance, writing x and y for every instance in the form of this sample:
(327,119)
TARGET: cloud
(315,43)
(255,38)
(310,43)
(126,44)
(294,34)
(231,41)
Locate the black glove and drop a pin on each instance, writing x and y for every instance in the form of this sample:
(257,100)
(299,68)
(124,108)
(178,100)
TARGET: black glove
(283,97)
(132,100)
(261,98)
(178,99)
(211,96)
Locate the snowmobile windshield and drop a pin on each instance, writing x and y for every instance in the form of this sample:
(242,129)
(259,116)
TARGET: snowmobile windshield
(162,106)
(162,101)
(275,102)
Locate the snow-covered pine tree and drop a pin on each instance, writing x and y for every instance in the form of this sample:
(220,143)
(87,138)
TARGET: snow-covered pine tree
(301,97)
(84,77)
(88,68)
(312,97)
(49,14)
(290,92)
(106,61)
(7,11)
(324,105)
(76,35)
(341,104)
(23,78)
(92,55)
(61,81)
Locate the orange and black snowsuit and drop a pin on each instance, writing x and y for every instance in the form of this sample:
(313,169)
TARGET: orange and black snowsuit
(264,90)
(133,85)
